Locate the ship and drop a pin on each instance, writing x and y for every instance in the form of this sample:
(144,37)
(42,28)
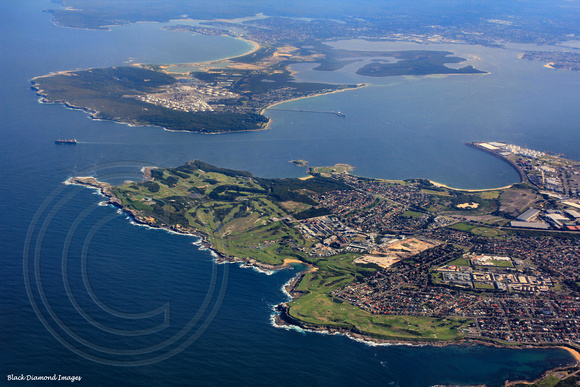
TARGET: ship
(72,142)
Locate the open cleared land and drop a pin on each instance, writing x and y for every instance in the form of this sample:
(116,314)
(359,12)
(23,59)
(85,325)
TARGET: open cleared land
(516,201)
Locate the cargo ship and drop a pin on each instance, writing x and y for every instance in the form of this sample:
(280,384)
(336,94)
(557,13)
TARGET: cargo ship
(73,141)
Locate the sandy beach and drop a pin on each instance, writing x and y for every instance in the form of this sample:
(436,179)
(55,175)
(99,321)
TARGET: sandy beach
(573,352)
(310,96)
(313,95)
(469,190)
(289,261)
(255,47)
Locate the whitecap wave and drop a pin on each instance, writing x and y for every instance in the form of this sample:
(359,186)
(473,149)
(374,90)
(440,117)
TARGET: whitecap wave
(257,269)
(287,327)
(284,291)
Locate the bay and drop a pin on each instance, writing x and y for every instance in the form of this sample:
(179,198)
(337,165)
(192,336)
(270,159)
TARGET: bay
(138,270)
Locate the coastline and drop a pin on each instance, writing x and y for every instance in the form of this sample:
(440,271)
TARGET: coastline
(573,352)
(93,114)
(469,190)
(522,175)
(283,319)
(255,47)
(359,86)
(105,190)
(267,126)
(362,340)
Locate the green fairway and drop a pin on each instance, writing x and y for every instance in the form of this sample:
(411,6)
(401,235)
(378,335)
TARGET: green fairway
(320,309)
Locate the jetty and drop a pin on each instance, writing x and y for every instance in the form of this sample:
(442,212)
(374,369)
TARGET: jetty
(311,111)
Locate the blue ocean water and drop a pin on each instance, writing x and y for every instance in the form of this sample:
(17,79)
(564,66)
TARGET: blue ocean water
(85,292)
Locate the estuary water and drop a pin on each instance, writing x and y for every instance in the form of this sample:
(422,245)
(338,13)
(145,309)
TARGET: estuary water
(86,293)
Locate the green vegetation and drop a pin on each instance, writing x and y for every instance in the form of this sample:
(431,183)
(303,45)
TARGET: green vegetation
(408,62)
(459,262)
(552,381)
(462,227)
(498,263)
(236,211)
(260,82)
(549,381)
(241,216)
(227,100)
(327,171)
(490,194)
(312,213)
(317,308)
(261,53)
(482,205)
(300,162)
(107,94)
(433,192)
(412,214)
(476,230)
(416,63)
(483,286)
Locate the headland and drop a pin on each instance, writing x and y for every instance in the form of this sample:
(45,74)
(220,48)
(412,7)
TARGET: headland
(226,95)
(455,266)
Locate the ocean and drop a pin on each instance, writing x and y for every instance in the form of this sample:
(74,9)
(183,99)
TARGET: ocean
(84,292)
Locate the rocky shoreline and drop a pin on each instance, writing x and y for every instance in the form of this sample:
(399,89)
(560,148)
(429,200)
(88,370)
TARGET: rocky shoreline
(94,114)
(283,317)
(43,98)
(105,190)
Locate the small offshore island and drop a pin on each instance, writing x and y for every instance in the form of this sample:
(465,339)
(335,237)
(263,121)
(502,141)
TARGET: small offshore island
(403,261)
(228,95)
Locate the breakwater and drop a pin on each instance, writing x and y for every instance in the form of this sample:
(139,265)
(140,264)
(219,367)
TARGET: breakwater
(522,175)
(311,111)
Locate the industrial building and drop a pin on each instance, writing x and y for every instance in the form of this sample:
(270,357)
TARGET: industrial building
(529,215)
(537,225)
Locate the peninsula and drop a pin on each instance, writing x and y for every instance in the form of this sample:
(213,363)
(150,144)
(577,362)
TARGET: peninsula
(228,95)
(404,261)
(216,101)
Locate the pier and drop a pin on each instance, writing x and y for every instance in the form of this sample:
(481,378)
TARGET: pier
(311,111)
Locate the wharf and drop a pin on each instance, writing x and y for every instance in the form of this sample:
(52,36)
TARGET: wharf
(311,111)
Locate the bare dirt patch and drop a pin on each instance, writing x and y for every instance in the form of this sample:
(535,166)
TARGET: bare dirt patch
(516,201)
(389,254)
